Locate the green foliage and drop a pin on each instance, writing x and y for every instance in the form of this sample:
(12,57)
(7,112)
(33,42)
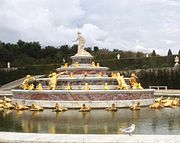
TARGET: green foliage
(169,77)
(169,53)
(138,63)
(7,76)
(96,49)
(139,54)
(5,54)
(153,53)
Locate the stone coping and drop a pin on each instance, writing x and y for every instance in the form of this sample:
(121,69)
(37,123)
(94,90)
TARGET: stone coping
(78,56)
(6,92)
(82,68)
(78,104)
(67,78)
(169,92)
(81,91)
(12,137)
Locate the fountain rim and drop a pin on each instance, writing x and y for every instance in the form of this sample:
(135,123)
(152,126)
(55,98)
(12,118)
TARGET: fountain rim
(82,91)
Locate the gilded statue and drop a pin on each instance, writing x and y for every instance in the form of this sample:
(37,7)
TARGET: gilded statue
(136,106)
(69,87)
(85,108)
(121,82)
(133,80)
(76,64)
(138,86)
(66,65)
(71,75)
(86,86)
(20,106)
(35,107)
(106,87)
(53,80)
(93,64)
(27,84)
(39,87)
(59,108)
(112,108)
(113,75)
(31,87)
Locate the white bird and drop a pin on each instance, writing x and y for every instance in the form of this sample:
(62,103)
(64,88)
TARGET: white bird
(129,130)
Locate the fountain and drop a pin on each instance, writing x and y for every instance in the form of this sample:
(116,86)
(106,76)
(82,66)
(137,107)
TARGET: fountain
(82,82)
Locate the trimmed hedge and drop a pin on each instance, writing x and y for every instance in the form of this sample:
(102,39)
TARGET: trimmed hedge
(138,63)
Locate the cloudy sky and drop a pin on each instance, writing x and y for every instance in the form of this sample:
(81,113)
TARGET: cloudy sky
(138,25)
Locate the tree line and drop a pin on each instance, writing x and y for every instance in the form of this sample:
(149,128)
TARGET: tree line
(32,53)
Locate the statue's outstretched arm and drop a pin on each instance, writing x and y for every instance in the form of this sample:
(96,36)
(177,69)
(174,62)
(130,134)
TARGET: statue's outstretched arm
(61,73)
(75,40)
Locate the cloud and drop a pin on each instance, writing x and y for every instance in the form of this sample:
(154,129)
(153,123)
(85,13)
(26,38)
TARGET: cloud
(111,24)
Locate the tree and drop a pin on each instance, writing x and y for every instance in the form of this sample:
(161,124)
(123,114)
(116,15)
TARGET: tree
(153,53)
(20,43)
(96,49)
(59,56)
(64,50)
(74,49)
(179,52)
(88,49)
(5,55)
(36,51)
(139,54)
(49,51)
(169,53)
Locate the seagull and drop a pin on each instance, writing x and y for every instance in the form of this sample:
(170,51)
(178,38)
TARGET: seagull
(129,130)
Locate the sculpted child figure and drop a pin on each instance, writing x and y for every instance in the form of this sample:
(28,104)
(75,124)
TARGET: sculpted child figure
(53,80)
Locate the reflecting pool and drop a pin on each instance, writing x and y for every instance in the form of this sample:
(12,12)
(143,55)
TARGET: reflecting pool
(148,121)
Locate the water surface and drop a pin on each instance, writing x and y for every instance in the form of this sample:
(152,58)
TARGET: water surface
(148,121)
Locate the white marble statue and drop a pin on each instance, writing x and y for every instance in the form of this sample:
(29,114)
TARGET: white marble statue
(176,60)
(81,50)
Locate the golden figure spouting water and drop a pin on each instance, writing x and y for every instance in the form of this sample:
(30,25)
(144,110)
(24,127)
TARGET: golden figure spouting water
(112,108)
(86,86)
(133,80)
(106,86)
(76,64)
(71,75)
(27,84)
(136,106)
(66,65)
(53,80)
(85,108)
(93,64)
(121,82)
(113,75)
(39,87)
(69,87)
(59,108)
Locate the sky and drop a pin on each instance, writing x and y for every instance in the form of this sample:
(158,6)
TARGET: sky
(136,25)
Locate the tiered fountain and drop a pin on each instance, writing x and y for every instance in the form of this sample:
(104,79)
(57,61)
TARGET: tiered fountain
(83,82)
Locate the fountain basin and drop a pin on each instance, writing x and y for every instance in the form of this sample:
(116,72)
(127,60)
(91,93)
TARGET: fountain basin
(75,98)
